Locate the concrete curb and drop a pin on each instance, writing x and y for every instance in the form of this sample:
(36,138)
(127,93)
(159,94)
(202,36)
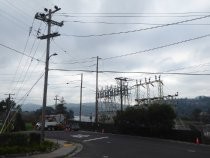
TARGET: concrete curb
(66,149)
(76,151)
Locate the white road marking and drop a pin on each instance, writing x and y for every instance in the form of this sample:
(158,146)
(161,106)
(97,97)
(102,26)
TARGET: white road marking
(80,136)
(88,140)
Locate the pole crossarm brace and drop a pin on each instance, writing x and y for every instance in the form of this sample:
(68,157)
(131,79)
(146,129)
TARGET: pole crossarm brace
(51,35)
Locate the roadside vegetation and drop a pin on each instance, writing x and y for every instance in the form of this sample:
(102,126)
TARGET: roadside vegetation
(24,143)
(12,138)
(156,118)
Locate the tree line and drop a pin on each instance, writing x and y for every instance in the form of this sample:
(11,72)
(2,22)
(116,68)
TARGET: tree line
(156,117)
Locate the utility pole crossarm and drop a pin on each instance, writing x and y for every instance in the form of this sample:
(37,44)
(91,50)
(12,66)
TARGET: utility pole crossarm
(51,35)
(42,17)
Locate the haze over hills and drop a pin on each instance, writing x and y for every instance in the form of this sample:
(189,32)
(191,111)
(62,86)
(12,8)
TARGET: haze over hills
(184,106)
(87,108)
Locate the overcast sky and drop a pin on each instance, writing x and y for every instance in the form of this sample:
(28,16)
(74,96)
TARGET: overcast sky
(119,32)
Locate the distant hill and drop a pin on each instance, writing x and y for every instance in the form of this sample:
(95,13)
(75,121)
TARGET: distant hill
(184,106)
(30,107)
(87,108)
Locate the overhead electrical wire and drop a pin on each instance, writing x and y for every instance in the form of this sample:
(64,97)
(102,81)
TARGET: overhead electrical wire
(158,47)
(23,100)
(19,21)
(126,23)
(124,16)
(24,74)
(19,52)
(189,67)
(137,72)
(26,44)
(138,30)
(82,61)
(29,91)
(23,12)
(27,69)
(59,46)
(144,51)
(141,13)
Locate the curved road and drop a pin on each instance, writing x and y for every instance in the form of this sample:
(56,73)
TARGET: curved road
(104,145)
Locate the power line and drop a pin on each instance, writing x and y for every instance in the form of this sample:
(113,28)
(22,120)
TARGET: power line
(17,8)
(155,48)
(140,72)
(82,61)
(138,30)
(189,67)
(29,91)
(125,16)
(19,52)
(135,13)
(59,46)
(18,67)
(158,47)
(74,61)
(26,68)
(126,23)
(18,20)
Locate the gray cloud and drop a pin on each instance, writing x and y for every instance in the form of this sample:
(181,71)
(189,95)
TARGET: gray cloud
(18,18)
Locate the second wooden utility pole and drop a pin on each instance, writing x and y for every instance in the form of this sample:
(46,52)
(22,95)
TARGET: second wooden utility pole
(96,109)
(80,107)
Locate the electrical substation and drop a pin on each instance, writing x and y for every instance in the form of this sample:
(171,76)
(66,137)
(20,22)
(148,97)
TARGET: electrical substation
(130,92)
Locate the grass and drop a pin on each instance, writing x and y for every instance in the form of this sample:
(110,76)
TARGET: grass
(29,127)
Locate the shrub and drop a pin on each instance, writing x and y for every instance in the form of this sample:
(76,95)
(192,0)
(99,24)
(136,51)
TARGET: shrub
(34,138)
(158,118)
(22,143)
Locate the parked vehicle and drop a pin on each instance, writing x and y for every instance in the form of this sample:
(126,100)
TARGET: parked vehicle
(72,127)
(75,127)
(52,122)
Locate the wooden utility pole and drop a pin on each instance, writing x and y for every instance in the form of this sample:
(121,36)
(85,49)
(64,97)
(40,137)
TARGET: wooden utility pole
(80,108)
(56,100)
(96,108)
(48,19)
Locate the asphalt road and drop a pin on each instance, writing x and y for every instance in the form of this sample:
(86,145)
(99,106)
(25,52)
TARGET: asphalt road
(103,145)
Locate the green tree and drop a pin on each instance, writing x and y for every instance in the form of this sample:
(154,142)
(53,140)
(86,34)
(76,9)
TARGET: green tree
(161,117)
(195,115)
(60,109)
(157,117)
(6,105)
(48,111)
(19,124)
(131,119)
(70,114)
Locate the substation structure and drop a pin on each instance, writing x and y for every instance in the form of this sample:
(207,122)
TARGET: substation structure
(112,99)
(143,93)
(157,86)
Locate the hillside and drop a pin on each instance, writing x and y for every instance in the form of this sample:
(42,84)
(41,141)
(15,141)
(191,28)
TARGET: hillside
(184,106)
